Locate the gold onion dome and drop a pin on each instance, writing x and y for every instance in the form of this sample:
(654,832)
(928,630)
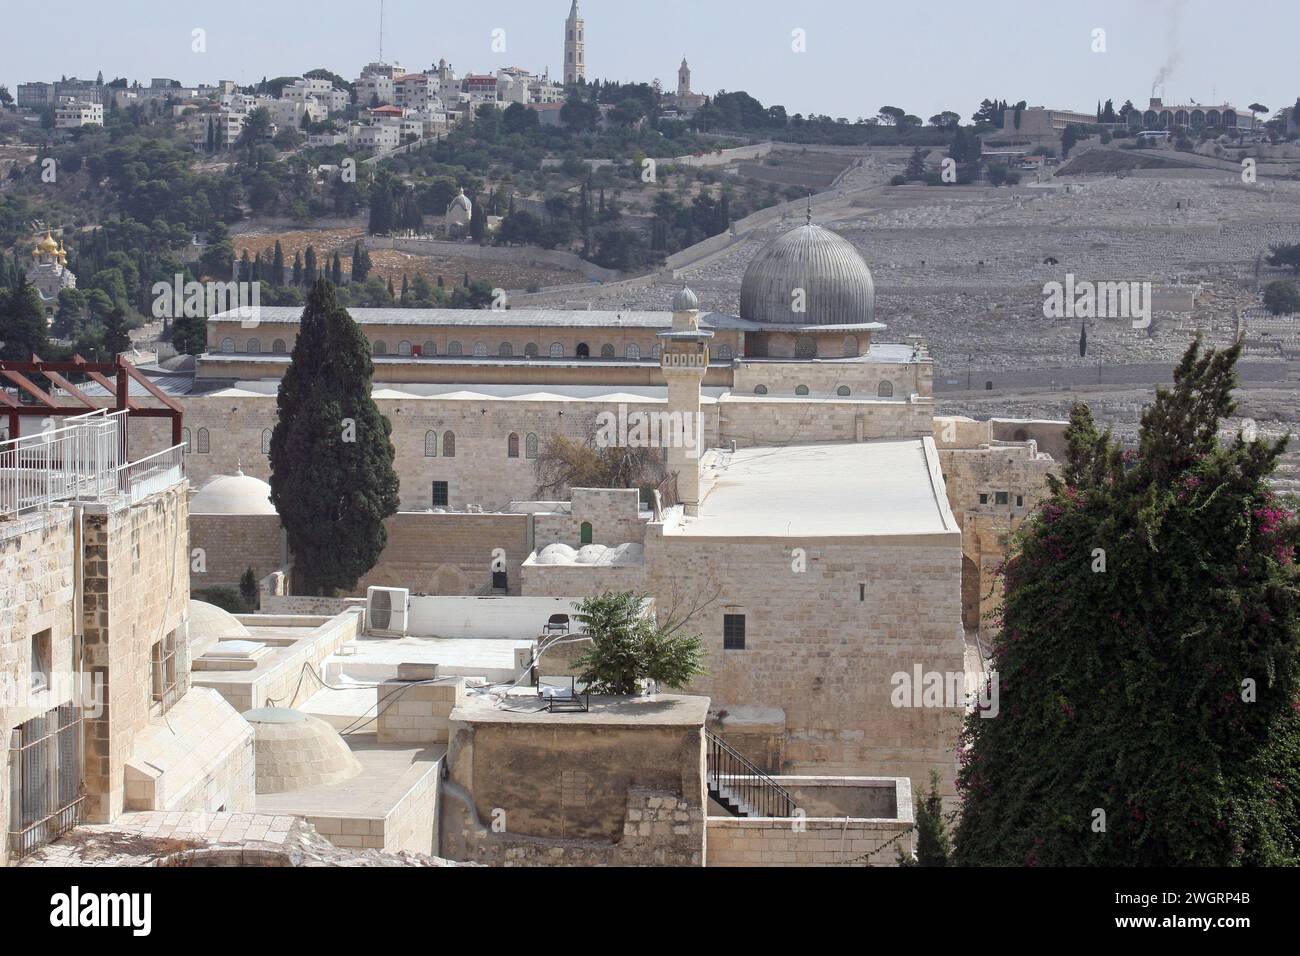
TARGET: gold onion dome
(48,244)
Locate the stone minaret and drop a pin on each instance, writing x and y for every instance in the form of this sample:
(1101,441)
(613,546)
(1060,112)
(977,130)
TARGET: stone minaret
(683,79)
(575,60)
(684,360)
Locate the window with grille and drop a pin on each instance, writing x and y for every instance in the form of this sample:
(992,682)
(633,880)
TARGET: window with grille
(440,497)
(733,632)
(449,445)
(1001,498)
(201,442)
(512,446)
(530,446)
(430,444)
(164,688)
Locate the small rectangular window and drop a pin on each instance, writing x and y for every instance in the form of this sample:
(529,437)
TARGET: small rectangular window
(163,686)
(984,499)
(733,632)
(440,494)
(862,592)
(1001,498)
(1020,501)
(42,659)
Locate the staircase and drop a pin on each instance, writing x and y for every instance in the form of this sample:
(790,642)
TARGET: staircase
(739,786)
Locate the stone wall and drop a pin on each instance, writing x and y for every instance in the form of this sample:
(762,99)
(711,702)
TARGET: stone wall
(449,554)
(232,543)
(823,645)
(37,572)
(565,792)
(613,513)
(823,378)
(843,841)
(136,593)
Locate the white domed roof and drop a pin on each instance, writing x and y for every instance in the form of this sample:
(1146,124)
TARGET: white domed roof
(461,201)
(295,751)
(209,625)
(836,283)
(237,494)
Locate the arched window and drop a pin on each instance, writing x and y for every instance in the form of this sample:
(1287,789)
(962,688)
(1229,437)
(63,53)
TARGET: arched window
(530,446)
(634,351)
(480,350)
(278,347)
(656,351)
(842,391)
(429,348)
(201,442)
(607,351)
(506,350)
(403,347)
(801,389)
(453,348)
(431,444)
(530,350)
(227,345)
(760,389)
(557,350)
(583,350)
(449,445)
(885,390)
(585,533)
(254,347)
(724,353)
(380,347)
(512,446)
(805,347)
(266,441)
(850,346)
(185,439)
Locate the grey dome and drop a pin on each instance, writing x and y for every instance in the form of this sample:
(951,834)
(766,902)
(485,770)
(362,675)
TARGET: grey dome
(685,300)
(838,289)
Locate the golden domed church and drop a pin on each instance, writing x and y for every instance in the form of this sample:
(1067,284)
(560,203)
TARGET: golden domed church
(49,270)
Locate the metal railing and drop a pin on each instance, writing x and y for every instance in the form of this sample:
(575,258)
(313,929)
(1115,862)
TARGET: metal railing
(85,458)
(738,784)
(45,779)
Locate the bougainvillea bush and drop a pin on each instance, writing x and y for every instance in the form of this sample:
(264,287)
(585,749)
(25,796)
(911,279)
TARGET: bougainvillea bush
(1149,659)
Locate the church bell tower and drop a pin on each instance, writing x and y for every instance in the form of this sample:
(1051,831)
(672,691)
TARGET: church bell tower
(575,59)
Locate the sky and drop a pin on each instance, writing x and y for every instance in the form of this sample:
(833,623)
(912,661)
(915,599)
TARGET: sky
(858,56)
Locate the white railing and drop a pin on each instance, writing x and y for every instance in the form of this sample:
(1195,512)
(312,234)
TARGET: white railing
(160,471)
(85,458)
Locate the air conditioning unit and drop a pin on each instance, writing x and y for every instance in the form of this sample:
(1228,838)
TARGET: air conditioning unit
(387,611)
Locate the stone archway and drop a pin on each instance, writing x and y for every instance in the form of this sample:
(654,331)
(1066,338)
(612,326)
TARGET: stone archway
(447,579)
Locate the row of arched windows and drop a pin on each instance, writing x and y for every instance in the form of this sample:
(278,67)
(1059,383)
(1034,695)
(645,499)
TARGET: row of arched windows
(530,445)
(480,350)
(883,390)
(431,444)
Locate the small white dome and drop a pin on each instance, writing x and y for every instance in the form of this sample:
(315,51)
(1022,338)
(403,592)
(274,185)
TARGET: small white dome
(236,494)
(685,300)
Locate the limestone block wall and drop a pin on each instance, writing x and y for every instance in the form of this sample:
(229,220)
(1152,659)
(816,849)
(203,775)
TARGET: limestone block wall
(576,794)
(449,554)
(416,712)
(542,580)
(232,543)
(822,841)
(136,592)
(409,827)
(752,421)
(36,593)
(823,378)
(823,645)
(613,513)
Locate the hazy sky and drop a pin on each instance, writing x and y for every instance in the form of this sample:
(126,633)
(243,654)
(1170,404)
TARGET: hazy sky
(923,56)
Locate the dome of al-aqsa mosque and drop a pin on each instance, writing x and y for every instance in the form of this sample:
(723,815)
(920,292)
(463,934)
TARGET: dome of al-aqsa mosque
(836,283)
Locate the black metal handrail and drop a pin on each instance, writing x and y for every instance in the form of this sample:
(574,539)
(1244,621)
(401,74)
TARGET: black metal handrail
(735,779)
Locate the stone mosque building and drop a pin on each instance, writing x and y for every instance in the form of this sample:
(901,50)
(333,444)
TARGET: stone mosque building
(831,531)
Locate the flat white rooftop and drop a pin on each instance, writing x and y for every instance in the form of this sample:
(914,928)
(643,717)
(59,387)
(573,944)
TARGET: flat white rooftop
(845,490)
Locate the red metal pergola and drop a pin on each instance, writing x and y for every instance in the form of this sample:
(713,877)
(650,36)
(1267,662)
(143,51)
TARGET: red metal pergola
(115,377)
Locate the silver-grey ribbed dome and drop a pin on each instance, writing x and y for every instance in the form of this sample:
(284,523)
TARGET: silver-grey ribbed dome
(838,289)
(685,300)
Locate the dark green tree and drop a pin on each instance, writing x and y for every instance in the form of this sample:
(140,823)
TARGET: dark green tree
(23,326)
(1281,297)
(190,334)
(1148,660)
(332,477)
(117,335)
(933,844)
(277,266)
(248,590)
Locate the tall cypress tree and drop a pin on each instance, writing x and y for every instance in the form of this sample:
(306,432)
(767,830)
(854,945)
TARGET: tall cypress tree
(1149,659)
(309,266)
(277,266)
(336,270)
(24,328)
(297,268)
(332,477)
